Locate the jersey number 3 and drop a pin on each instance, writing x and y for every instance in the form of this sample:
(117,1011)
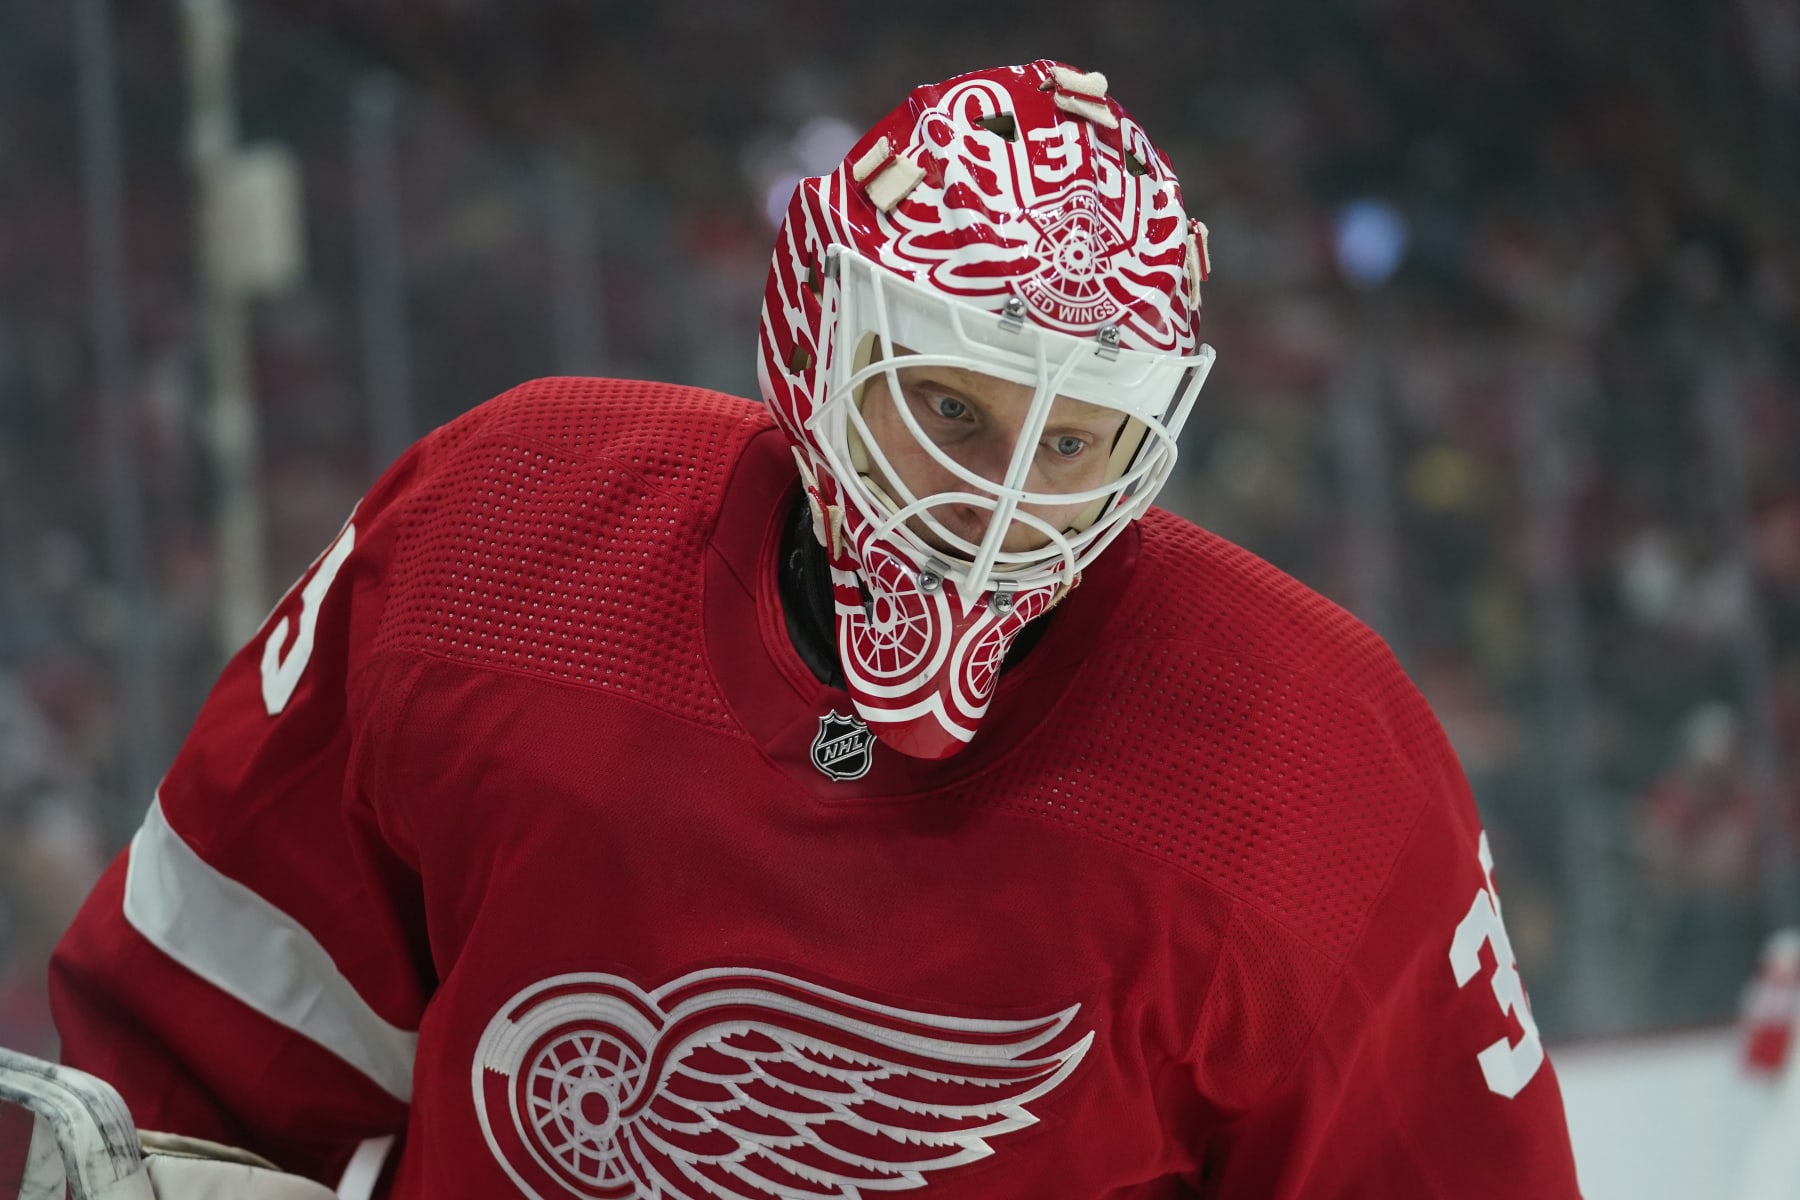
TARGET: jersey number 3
(1507,1066)
(281,671)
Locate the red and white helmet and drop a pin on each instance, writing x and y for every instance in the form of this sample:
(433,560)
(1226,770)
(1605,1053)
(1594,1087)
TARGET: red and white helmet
(1014,222)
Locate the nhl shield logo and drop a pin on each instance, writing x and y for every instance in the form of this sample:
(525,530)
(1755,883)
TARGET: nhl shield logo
(844,747)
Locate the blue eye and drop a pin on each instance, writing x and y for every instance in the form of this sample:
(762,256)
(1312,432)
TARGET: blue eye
(949,407)
(1068,445)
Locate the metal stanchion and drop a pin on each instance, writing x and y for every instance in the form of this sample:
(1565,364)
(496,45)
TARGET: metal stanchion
(1545,444)
(381,266)
(136,634)
(1360,433)
(577,315)
(240,535)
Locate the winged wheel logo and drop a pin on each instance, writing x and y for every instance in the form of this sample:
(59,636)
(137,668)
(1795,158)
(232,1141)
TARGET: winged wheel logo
(749,1084)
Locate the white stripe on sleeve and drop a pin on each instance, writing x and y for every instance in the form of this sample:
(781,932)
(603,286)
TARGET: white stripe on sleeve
(249,949)
(363,1171)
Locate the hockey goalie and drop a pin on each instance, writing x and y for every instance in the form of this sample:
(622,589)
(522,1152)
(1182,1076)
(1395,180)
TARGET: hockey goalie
(656,794)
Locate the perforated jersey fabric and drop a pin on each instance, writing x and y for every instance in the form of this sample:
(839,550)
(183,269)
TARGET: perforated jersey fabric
(1201,911)
(552,539)
(1238,712)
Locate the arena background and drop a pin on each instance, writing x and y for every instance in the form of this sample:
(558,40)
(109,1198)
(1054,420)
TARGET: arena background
(1505,295)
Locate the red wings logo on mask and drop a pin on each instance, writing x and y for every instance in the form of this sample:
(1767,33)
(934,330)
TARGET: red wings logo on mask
(725,1084)
(1008,211)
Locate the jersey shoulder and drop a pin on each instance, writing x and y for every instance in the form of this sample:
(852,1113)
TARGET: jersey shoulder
(558,531)
(1273,745)
(1196,588)
(674,438)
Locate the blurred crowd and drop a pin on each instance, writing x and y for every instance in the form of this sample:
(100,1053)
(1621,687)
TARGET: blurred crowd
(1506,306)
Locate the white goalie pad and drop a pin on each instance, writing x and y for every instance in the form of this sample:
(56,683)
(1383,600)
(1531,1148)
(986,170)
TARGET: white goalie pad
(66,1134)
(177,1177)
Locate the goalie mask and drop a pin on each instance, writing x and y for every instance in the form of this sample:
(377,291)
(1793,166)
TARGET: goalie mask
(981,335)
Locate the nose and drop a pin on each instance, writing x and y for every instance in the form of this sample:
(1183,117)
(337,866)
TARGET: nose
(969,521)
(991,459)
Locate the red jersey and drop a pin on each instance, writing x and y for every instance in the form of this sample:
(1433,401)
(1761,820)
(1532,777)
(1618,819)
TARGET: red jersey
(522,832)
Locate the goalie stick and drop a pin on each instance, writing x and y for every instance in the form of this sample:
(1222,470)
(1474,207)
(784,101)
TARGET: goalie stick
(80,1135)
(65,1133)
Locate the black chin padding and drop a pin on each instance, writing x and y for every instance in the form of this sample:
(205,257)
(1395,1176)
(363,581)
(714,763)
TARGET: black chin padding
(806,602)
(807,606)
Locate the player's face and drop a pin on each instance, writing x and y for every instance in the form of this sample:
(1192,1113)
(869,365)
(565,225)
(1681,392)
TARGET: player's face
(975,420)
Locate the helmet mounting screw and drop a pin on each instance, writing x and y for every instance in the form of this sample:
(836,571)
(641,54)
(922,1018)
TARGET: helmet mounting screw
(1109,342)
(1012,314)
